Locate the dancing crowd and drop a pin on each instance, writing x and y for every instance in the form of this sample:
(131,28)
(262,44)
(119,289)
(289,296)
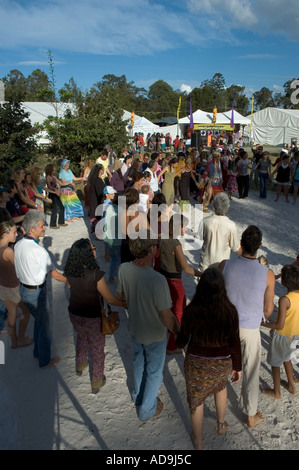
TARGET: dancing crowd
(138,205)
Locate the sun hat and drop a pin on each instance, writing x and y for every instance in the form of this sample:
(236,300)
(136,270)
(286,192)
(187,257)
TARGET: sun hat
(109,190)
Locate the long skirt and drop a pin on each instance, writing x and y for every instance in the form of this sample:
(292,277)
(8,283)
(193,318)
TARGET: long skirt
(89,337)
(204,377)
(178,297)
(71,202)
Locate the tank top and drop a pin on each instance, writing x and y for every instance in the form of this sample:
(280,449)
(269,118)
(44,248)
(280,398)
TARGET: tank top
(291,324)
(8,277)
(246,282)
(283,174)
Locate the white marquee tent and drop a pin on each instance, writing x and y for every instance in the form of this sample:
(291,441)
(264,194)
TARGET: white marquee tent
(204,117)
(274,126)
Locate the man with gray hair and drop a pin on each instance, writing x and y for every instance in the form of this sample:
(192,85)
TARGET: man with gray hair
(149,304)
(33,263)
(218,233)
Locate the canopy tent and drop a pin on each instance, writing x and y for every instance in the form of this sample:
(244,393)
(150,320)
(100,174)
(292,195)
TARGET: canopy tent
(168,121)
(204,117)
(274,126)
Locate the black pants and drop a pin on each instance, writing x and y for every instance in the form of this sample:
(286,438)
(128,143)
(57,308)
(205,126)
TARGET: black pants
(56,208)
(243,185)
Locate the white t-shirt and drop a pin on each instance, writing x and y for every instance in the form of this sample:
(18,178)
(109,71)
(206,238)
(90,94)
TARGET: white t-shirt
(154,185)
(32,262)
(220,236)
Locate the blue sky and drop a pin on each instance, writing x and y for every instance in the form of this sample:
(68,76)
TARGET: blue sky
(253,43)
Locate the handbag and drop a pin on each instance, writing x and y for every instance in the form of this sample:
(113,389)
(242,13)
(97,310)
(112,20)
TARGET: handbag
(110,322)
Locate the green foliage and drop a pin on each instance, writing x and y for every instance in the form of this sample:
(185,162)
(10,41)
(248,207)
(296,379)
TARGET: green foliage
(96,123)
(17,143)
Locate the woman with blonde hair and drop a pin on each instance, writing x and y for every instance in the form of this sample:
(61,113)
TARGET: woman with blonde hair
(9,287)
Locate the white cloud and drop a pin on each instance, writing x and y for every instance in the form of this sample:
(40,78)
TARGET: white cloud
(186,88)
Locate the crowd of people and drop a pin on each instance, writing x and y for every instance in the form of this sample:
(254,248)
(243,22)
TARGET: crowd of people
(136,205)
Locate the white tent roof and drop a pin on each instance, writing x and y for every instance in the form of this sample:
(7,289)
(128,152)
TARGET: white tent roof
(204,117)
(40,111)
(144,122)
(274,126)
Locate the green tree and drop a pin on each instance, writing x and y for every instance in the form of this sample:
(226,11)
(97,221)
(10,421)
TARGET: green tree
(263,98)
(96,122)
(15,86)
(17,143)
(38,87)
(70,93)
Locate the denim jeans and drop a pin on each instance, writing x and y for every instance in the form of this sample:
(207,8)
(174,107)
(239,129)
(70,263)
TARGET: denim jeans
(36,302)
(263,184)
(3,315)
(115,258)
(148,375)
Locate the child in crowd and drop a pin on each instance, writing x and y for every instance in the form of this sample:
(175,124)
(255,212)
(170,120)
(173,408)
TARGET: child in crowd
(284,331)
(232,185)
(263,260)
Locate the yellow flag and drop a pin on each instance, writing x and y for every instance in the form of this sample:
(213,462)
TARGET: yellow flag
(214,115)
(179,107)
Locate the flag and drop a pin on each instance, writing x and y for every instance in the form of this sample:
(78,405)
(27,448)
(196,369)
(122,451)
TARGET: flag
(232,122)
(251,114)
(214,115)
(179,107)
(132,118)
(191,116)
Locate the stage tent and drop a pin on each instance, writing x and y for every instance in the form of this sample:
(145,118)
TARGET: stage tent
(204,117)
(274,126)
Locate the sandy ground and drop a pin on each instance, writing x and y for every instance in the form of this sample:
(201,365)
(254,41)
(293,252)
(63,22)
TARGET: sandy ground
(53,409)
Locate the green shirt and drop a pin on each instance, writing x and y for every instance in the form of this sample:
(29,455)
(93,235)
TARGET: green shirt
(146,292)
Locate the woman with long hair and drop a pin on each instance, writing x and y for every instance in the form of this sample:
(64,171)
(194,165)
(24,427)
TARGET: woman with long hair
(172,263)
(24,200)
(87,285)
(210,326)
(88,165)
(73,209)
(57,207)
(9,287)
(96,191)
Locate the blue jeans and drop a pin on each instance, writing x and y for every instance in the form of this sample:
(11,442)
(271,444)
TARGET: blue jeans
(114,252)
(3,315)
(148,375)
(36,302)
(263,184)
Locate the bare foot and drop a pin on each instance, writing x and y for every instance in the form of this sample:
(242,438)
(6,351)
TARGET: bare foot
(222,428)
(255,419)
(197,445)
(290,388)
(70,221)
(25,342)
(4,331)
(53,362)
(271,393)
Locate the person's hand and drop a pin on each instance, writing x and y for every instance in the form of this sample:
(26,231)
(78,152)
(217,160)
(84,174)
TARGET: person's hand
(236,375)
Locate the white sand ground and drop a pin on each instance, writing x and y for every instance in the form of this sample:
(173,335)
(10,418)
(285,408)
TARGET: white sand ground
(55,409)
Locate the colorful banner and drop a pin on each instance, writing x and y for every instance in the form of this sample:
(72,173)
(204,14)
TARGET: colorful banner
(214,115)
(251,114)
(179,107)
(232,122)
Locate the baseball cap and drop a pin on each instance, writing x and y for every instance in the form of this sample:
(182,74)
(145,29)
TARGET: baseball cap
(109,190)
(4,189)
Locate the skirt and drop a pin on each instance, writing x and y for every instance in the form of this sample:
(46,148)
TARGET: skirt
(12,294)
(71,203)
(204,377)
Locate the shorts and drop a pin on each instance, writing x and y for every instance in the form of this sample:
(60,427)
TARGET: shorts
(11,294)
(296,183)
(283,184)
(280,349)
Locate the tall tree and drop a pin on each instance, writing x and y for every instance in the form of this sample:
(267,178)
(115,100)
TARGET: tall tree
(17,143)
(263,98)
(15,86)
